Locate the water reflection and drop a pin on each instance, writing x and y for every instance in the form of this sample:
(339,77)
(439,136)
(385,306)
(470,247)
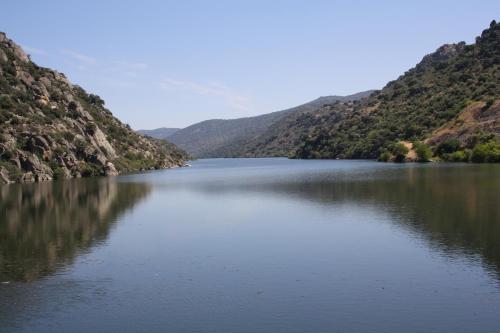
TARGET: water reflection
(457,209)
(45,226)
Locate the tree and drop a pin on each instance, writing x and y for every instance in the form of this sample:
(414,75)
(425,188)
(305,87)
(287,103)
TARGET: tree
(448,147)
(385,156)
(424,153)
(486,153)
(399,151)
(90,128)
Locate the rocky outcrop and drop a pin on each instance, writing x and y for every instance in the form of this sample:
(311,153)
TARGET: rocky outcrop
(50,128)
(4,176)
(441,55)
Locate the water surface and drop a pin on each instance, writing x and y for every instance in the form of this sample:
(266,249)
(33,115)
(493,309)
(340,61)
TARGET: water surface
(255,245)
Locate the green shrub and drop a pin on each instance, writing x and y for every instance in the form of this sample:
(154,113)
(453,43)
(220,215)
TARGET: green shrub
(81,145)
(14,173)
(423,151)
(52,113)
(399,151)
(58,173)
(385,156)
(447,147)
(486,153)
(6,102)
(459,156)
(6,155)
(15,121)
(91,170)
(90,128)
(488,104)
(68,136)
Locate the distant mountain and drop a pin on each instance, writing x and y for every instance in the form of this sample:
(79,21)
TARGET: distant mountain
(159,133)
(229,137)
(50,128)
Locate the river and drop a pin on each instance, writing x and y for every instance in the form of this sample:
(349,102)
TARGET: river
(255,245)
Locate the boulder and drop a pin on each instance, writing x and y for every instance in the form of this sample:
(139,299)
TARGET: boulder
(45,81)
(70,161)
(38,144)
(103,143)
(4,176)
(3,56)
(110,170)
(28,177)
(66,173)
(30,162)
(43,177)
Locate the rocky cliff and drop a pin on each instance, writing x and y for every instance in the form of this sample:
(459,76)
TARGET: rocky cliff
(50,128)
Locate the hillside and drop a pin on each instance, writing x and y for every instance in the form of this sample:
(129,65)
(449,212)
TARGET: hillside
(159,133)
(50,128)
(227,137)
(451,95)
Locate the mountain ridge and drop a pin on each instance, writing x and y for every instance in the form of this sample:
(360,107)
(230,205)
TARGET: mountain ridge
(224,137)
(161,133)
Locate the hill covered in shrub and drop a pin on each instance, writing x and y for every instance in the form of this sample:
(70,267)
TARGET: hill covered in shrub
(452,94)
(50,128)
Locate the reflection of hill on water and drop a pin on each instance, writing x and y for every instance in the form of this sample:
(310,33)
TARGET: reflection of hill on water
(455,208)
(46,225)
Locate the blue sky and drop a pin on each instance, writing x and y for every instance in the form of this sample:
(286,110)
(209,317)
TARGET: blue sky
(174,63)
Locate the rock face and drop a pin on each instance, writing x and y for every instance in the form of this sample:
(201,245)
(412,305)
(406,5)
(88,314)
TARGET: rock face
(50,128)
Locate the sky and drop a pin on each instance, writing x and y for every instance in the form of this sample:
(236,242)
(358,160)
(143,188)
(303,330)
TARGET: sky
(175,63)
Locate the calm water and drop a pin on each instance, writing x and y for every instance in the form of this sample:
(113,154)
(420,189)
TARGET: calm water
(263,245)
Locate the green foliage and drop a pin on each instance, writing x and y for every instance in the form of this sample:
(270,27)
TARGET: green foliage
(90,128)
(15,174)
(447,147)
(481,137)
(68,136)
(459,156)
(58,173)
(6,102)
(6,155)
(81,145)
(91,170)
(385,156)
(486,152)
(424,153)
(488,104)
(399,151)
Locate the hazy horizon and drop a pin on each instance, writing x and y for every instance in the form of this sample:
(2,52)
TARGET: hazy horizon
(167,64)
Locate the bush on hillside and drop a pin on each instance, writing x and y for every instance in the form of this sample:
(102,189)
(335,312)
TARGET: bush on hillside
(447,147)
(486,153)
(459,156)
(399,151)
(423,151)
(385,156)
